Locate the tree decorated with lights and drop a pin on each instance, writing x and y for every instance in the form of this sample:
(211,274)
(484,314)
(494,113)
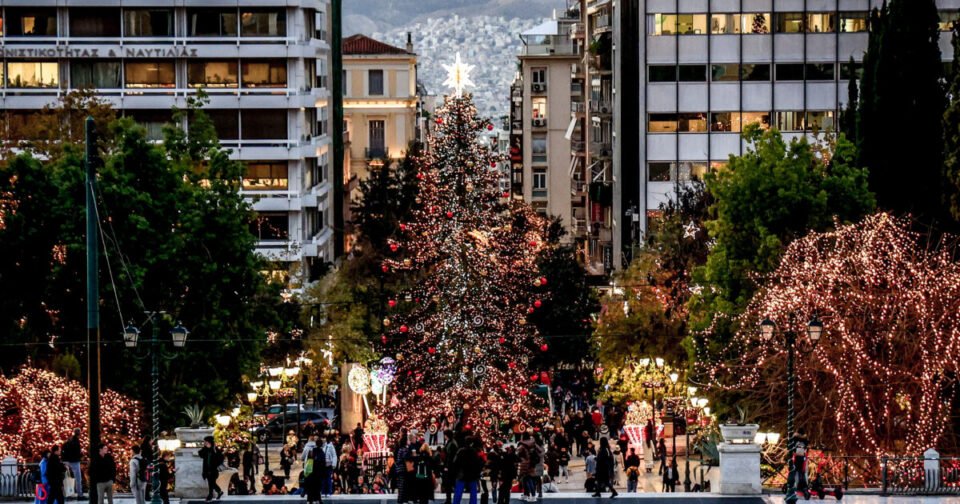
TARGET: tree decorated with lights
(460,334)
(882,378)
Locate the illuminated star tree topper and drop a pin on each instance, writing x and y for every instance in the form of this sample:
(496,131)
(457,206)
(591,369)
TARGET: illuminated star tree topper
(458,76)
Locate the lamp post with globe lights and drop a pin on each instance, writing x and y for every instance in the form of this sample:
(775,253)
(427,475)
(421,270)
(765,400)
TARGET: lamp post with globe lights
(814,330)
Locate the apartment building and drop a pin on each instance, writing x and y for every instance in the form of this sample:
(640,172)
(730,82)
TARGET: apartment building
(704,69)
(265,67)
(380,102)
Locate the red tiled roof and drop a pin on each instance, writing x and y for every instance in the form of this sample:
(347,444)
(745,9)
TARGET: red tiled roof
(362,44)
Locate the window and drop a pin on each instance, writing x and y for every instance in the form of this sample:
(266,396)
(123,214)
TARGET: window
(789,22)
(755,72)
(821,22)
(315,222)
(539,183)
(692,24)
(264,73)
(755,22)
(947,19)
(725,121)
(226,122)
(662,123)
(375,82)
(819,120)
(212,22)
(152,120)
(150,74)
(219,74)
(94,22)
(718,165)
(692,170)
(538,107)
(659,172)
(263,124)
(693,73)
(762,118)
(724,24)
(848,70)
(820,71)
(377,139)
(263,23)
(32,74)
(26,22)
(538,75)
(725,72)
(271,226)
(96,74)
(692,122)
(1,30)
(663,73)
(789,71)
(854,21)
(148,22)
(539,148)
(662,24)
(790,120)
(265,176)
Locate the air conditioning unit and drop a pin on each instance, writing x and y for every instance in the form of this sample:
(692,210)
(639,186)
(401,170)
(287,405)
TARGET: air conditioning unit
(604,110)
(539,88)
(539,123)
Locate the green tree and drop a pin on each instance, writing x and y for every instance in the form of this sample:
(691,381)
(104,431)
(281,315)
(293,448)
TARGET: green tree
(764,199)
(902,102)
(951,131)
(848,116)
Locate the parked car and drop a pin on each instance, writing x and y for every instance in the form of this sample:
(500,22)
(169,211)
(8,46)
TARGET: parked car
(274,409)
(273,430)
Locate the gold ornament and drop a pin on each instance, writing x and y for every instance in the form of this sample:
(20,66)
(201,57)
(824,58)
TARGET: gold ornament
(523,321)
(386,322)
(399,357)
(469,186)
(417,200)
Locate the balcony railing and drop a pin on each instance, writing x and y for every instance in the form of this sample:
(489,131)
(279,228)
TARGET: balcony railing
(578,186)
(375,153)
(577,145)
(564,47)
(601,149)
(578,107)
(602,22)
(576,70)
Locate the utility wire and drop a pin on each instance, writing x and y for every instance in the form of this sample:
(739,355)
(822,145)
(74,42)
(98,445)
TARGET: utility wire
(106,255)
(116,244)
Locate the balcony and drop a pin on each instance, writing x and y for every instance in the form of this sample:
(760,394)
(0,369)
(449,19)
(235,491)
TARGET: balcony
(601,149)
(578,146)
(538,87)
(578,226)
(516,126)
(578,108)
(600,106)
(556,47)
(578,186)
(371,153)
(602,23)
(538,122)
(576,71)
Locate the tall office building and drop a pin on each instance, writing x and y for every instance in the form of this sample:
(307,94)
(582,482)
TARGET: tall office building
(264,64)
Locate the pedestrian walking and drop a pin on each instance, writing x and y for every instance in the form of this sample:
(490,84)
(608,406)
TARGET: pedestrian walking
(467,465)
(72,454)
(249,462)
(450,450)
(212,457)
(529,458)
(164,472)
(286,460)
(662,455)
(146,451)
(138,476)
(605,466)
(55,474)
(103,473)
(329,464)
(671,477)
(563,460)
(42,490)
(633,477)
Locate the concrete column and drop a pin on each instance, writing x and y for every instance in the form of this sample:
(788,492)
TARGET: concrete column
(739,469)
(190,482)
(931,469)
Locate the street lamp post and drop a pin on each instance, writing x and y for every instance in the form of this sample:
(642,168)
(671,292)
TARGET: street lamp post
(814,330)
(686,434)
(130,337)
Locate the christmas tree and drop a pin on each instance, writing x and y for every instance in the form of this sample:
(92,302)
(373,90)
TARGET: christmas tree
(460,334)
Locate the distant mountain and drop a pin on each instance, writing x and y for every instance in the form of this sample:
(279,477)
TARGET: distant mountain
(367,16)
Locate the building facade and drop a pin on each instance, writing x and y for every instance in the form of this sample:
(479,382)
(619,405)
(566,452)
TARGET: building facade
(264,66)
(380,102)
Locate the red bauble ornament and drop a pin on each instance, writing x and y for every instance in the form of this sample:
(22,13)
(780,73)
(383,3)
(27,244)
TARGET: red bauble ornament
(523,392)
(537,303)
(501,339)
(432,350)
(383,338)
(449,215)
(543,281)
(439,120)
(404,329)
(503,386)
(392,303)
(543,347)
(403,227)
(536,429)
(385,268)
(506,195)
(419,175)
(511,365)
(419,391)
(533,377)
(493,164)
(490,127)
(533,243)
(467,427)
(393,247)
(530,310)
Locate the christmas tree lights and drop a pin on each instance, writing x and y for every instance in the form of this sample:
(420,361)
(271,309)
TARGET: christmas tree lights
(460,334)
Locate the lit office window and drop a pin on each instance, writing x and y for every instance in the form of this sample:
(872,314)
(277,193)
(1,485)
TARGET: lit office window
(30,22)
(32,74)
(757,23)
(662,123)
(265,176)
(790,120)
(692,122)
(947,19)
(755,72)
(213,74)
(271,226)
(263,23)
(718,165)
(819,120)
(725,121)
(854,21)
(148,22)
(724,72)
(761,118)
(692,24)
(96,74)
(692,170)
(663,73)
(789,22)
(662,24)
(821,22)
(150,74)
(692,73)
(212,22)
(266,73)
(660,172)
(724,24)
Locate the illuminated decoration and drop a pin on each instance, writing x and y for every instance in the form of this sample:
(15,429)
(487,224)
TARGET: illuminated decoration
(458,76)
(359,380)
(375,437)
(386,371)
(41,409)
(882,378)
(468,346)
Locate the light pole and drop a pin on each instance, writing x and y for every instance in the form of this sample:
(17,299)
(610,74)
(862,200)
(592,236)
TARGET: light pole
(686,434)
(130,337)
(814,329)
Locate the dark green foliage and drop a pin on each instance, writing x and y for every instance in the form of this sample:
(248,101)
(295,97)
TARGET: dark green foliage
(848,116)
(951,132)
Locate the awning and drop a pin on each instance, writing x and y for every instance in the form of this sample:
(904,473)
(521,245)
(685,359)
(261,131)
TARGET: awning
(573,124)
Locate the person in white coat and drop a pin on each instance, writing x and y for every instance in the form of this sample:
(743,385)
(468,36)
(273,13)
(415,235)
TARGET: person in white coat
(138,476)
(330,464)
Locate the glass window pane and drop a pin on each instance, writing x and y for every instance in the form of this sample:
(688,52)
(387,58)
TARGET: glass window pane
(263,23)
(819,120)
(848,70)
(263,124)
(212,73)
(94,22)
(266,73)
(725,121)
(103,74)
(30,22)
(789,71)
(756,72)
(212,22)
(375,82)
(152,120)
(148,22)
(149,74)
(662,123)
(693,73)
(32,74)
(755,22)
(789,22)
(692,122)
(663,73)
(662,24)
(820,71)
(692,170)
(265,175)
(692,24)
(271,226)
(821,22)
(854,21)
(762,118)
(659,172)
(725,72)
(790,120)
(725,24)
